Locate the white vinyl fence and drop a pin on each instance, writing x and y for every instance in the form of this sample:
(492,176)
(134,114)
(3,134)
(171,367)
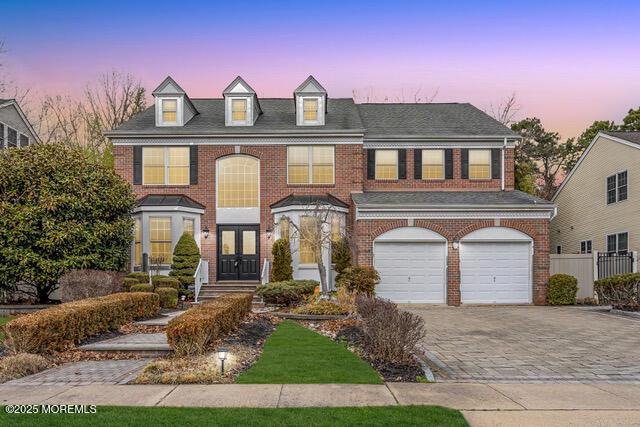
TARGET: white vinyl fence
(580,266)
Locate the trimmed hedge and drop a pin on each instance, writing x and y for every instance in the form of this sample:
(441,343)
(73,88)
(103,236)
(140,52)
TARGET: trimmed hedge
(141,277)
(289,292)
(621,291)
(168,297)
(59,327)
(359,279)
(165,282)
(322,307)
(562,289)
(198,328)
(141,287)
(128,282)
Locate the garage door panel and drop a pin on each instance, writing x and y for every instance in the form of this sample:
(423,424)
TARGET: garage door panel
(495,272)
(410,271)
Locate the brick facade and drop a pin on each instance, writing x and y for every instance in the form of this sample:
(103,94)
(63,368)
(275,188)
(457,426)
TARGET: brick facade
(367,230)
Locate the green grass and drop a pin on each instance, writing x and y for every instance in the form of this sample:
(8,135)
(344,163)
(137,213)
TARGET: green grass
(295,355)
(3,320)
(137,416)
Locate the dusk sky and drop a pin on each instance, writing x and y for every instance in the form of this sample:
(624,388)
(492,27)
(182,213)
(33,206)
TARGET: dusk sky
(569,62)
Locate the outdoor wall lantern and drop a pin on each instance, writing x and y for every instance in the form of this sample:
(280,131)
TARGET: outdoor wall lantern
(456,244)
(269,231)
(205,232)
(222,355)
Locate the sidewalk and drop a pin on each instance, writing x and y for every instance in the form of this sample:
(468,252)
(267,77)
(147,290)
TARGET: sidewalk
(482,404)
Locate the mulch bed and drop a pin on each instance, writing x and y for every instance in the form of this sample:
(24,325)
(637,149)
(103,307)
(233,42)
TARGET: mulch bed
(349,331)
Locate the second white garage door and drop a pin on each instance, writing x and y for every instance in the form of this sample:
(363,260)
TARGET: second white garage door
(411,271)
(495,272)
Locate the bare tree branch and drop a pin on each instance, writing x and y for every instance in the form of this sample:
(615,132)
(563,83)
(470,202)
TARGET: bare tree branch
(506,111)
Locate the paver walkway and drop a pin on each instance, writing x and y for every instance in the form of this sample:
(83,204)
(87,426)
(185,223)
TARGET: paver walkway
(482,404)
(84,373)
(530,344)
(131,342)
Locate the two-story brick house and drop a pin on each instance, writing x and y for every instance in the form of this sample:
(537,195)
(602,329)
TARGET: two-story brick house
(425,190)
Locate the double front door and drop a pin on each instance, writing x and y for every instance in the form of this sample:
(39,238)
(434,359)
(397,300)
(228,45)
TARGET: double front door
(238,252)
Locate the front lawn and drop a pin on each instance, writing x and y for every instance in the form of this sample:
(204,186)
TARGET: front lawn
(295,355)
(3,320)
(136,416)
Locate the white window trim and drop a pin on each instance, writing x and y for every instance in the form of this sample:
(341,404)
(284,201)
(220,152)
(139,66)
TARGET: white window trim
(166,167)
(248,113)
(617,235)
(443,165)
(586,248)
(300,119)
(159,107)
(490,165)
(310,165)
(375,169)
(617,186)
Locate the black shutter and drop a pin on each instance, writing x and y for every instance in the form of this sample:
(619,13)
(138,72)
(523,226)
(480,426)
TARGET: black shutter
(402,164)
(193,164)
(464,154)
(417,163)
(448,163)
(371,164)
(495,163)
(137,164)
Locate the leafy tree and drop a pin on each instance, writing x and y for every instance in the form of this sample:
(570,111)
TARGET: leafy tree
(632,121)
(282,269)
(60,210)
(545,151)
(525,179)
(186,257)
(341,254)
(586,137)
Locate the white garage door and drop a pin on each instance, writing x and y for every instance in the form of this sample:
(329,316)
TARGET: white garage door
(495,272)
(411,271)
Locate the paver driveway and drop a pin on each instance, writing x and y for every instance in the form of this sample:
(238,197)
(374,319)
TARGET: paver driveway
(531,344)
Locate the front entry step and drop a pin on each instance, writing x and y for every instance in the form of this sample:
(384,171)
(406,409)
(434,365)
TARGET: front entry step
(212,291)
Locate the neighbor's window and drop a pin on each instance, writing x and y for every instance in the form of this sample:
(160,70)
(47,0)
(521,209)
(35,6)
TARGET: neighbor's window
(24,140)
(238,182)
(308,230)
(284,228)
(618,243)
(479,164)
(386,164)
(310,164)
(310,109)
(137,243)
(238,110)
(165,165)
(169,111)
(160,237)
(1,136)
(188,225)
(432,164)
(12,137)
(617,187)
(585,247)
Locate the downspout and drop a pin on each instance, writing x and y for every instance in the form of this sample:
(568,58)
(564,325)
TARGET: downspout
(504,146)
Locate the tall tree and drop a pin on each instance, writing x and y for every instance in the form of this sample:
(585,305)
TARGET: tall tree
(632,121)
(586,137)
(545,151)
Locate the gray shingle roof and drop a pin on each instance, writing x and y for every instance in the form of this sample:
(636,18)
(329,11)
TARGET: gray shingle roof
(169,200)
(278,116)
(429,120)
(627,136)
(312,199)
(447,199)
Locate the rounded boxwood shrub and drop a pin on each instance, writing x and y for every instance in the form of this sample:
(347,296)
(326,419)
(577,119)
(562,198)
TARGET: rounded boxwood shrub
(160,281)
(141,287)
(186,257)
(282,270)
(289,292)
(359,279)
(128,282)
(562,289)
(168,297)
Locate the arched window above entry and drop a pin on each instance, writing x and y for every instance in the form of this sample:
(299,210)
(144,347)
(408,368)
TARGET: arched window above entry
(238,183)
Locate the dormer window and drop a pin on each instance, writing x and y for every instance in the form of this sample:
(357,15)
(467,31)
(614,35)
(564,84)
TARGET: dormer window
(310,107)
(169,111)
(239,110)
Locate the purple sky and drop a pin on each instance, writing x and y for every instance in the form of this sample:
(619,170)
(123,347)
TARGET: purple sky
(569,62)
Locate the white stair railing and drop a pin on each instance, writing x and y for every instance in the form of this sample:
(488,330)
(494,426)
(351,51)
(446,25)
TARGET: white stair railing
(266,266)
(200,277)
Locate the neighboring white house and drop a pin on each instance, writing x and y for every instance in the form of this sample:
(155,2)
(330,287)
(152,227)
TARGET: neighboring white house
(599,201)
(15,129)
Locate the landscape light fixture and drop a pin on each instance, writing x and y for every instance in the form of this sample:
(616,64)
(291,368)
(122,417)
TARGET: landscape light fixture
(222,355)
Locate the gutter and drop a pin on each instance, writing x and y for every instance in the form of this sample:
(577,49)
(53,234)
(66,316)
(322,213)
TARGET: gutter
(504,147)
(229,135)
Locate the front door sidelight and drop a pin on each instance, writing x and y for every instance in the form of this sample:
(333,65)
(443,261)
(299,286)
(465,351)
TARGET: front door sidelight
(238,252)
